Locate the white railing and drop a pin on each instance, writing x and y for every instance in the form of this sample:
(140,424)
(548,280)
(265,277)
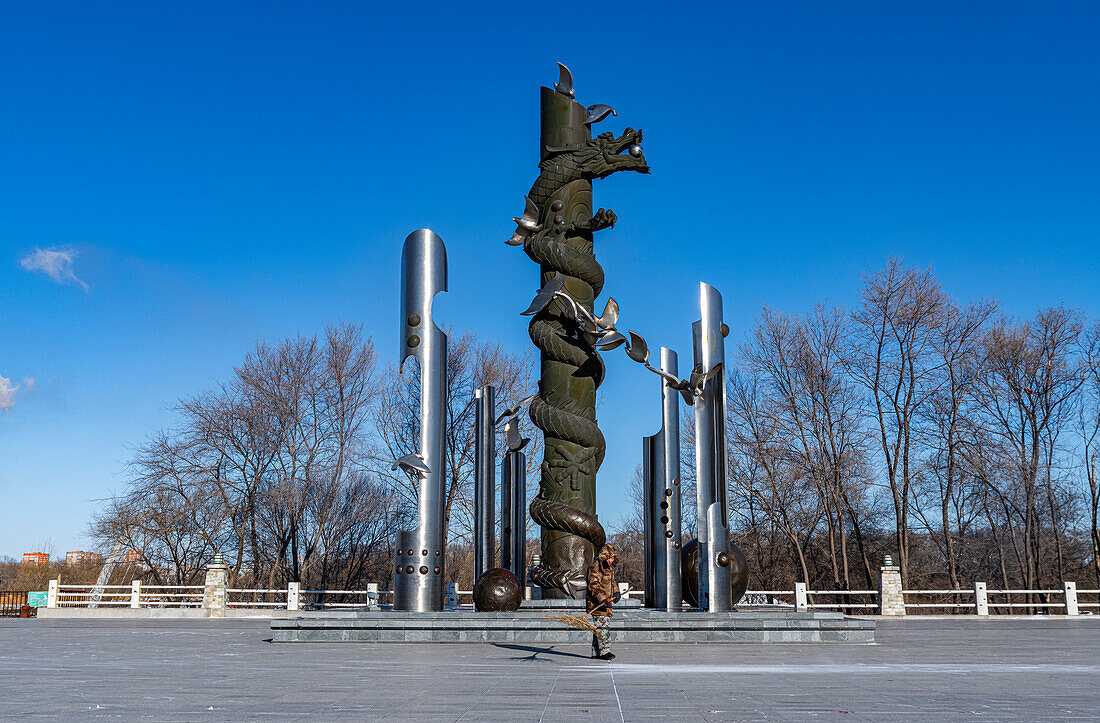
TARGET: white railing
(977,600)
(135,595)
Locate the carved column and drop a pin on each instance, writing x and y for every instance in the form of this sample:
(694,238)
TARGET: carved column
(556,232)
(565,408)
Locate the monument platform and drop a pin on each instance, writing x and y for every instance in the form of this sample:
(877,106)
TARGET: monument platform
(530,626)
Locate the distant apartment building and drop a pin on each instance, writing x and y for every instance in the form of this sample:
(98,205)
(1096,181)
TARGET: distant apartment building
(132,557)
(36,558)
(80,557)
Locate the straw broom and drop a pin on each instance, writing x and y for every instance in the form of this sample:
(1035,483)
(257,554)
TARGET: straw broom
(574,621)
(580,622)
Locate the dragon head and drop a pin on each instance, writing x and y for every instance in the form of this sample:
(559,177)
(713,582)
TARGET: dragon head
(606,154)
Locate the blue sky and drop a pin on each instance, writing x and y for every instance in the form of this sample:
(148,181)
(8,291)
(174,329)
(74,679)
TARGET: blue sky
(220,175)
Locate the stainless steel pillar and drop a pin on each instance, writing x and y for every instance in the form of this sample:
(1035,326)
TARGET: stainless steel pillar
(710,455)
(670,494)
(653,484)
(661,508)
(418,579)
(484,479)
(513,514)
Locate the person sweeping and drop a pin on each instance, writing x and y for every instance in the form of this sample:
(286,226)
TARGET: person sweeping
(602,593)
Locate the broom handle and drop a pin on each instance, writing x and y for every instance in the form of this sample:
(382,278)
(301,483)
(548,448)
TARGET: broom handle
(600,606)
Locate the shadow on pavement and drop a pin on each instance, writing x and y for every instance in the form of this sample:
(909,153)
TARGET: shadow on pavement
(535,652)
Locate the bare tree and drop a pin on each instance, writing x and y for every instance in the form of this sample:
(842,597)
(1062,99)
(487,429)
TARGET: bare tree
(1089,425)
(1027,397)
(801,410)
(960,363)
(318,393)
(894,356)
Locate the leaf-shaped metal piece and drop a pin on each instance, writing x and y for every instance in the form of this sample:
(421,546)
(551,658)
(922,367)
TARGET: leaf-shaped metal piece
(565,81)
(513,411)
(526,224)
(710,375)
(695,379)
(545,296)
(638,350)
(412,464)
(511,433)
(512,438)
(610,315)
(673,381)
(598,112)
(569,307)
(611,341)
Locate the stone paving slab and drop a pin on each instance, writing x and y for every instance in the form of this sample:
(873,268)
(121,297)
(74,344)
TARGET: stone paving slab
(919,670)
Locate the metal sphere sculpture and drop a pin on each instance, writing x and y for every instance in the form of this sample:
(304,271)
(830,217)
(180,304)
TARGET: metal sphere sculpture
(689,572)
(498,590)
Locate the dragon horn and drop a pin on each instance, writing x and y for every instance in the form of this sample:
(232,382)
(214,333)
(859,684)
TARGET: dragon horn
(565,81)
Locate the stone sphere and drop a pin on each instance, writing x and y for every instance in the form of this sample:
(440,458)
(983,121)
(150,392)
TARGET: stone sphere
(689,573)
(498,590)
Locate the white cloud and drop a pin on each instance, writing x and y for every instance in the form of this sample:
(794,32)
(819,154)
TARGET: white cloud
(10,393)
(55,262)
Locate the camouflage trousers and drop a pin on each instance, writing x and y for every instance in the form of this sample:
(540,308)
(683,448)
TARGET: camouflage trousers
(601,639)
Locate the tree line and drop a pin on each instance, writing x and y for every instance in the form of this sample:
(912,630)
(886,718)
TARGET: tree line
(956,439)
(285,468)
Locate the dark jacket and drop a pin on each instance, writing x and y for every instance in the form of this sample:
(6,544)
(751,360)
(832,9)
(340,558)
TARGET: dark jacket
(601,582)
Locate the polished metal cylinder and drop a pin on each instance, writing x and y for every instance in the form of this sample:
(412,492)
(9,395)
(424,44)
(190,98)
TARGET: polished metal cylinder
(710,453)
(661,499)
(484,480)
(653,486)
(419,585)
(513,514)
(670,494)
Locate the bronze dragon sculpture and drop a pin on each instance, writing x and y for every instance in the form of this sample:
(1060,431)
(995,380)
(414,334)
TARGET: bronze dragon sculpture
(556,231)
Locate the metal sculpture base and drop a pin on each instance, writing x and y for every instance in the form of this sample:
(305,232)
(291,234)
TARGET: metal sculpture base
(628,626)
(498,590)
(689,572)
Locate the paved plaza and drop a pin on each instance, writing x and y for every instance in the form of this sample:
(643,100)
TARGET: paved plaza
(919,670)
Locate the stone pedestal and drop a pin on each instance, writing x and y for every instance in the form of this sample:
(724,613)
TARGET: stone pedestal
(534,628)
(890,599)
(213,591)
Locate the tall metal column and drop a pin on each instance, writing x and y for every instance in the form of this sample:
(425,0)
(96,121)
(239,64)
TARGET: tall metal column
(670,492)
(513,513)
(653,484)
(661,508)
(484,479)
(418,579)
(710,455)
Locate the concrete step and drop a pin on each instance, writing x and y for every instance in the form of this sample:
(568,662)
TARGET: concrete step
(643,626)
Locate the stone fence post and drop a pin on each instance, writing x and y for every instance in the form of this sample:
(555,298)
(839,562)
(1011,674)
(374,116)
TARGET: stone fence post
(293,595)
(213,592)
(981,599)
(1071,598)
(800,603)
(373,598)
(51,595)
(452,596)
(135,593)
(890,599)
